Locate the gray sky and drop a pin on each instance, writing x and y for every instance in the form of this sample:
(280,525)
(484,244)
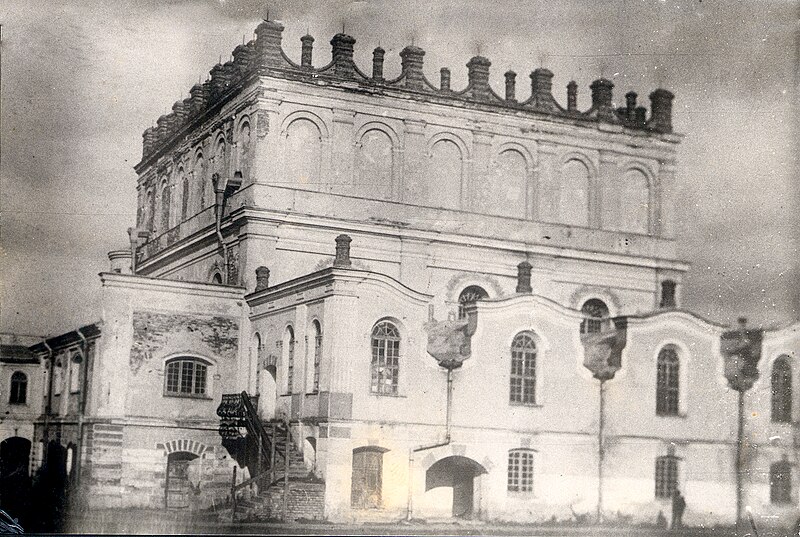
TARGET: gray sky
(82,79)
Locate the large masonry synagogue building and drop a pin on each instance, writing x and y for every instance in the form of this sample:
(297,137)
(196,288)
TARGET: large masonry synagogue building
(361,298)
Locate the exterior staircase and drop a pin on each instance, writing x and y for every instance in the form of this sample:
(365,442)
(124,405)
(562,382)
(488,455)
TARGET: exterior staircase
(282,487)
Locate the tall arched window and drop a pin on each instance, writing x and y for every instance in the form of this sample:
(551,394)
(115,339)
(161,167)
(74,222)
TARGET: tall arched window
(445,175)
(626,203)
(594,311)
(523,369)
(200,180)
(385,368)
(257,364)
(667,382)
(780,482)
(303,154)
(289,342)
(219,157)
(149,210)
(19,388)
(184,181)
(574,194)
(781,390)
(375,165)
(505,193)
(468,296)
(243,147)
(165,207)
(186,377)
(520,470)
(317,357)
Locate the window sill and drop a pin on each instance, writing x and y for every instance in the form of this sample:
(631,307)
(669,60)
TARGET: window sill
(525,405)
(313,393)
(522,494)
(14,403)
(679,415)
(395,395)
(188,396)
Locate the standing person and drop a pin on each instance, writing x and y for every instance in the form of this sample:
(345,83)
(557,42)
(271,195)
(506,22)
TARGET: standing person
(678,507)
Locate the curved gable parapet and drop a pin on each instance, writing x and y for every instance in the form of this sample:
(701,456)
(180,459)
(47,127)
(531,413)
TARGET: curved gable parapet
(677,315)
(526,301)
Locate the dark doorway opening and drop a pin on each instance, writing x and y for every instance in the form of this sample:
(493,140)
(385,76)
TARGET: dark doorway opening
(462,474)
(178,485)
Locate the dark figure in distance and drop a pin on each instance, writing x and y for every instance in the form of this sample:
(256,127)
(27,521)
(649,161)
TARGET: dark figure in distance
(678,507)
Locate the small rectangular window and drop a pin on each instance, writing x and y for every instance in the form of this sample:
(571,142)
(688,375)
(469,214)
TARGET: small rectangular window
(520,470)
(186,377)
(666,476)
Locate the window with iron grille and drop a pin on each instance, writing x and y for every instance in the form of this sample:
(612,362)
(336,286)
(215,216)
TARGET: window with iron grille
(289,359)
(186,377)
(520,470)
(594,311)
(780,482)
(667,382)
(385,358)
(666,476)
(523,369)
(468,296)
(781,391)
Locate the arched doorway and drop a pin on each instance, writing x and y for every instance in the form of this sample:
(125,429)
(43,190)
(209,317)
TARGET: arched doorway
(178,484)
(267,392)
(462,475)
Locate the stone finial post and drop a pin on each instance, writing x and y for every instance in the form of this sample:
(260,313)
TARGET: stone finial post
(511,86)
(243,56)
(542,89)
(478,75)
(181,114)
(630,105)
(572,96)
(217,81)
(377,64)
(307,51)
(262,278)
(661,110)
(342,47)
(602,98)
(162,131)
(149,137)
(668,294)
(120,261)
(524,277)
(342,251)
(412,59)
(268,43)
(444,79)
(199,98)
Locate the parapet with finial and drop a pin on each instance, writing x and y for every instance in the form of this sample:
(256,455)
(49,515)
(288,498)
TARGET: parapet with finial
(265,55)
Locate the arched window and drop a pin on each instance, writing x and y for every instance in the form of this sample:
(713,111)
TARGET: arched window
(375,165)
(317,330)
(523,369)
(216,278)
(468,296)
(58,377)
(781,390)
(75,373)
(219,157)
(184,195)
(186,376)
(385,358)
(594,311)
(257,362)
(303,154)
(520,470)
(780,482)
(19,388)
(668,294)
(200,179)
(149,210)
(445,175)
(667,382)
(505,193)
(666,476)
(289,339)
(165,207)
(626,203)
(574,194)
(367,478)
(243,149)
